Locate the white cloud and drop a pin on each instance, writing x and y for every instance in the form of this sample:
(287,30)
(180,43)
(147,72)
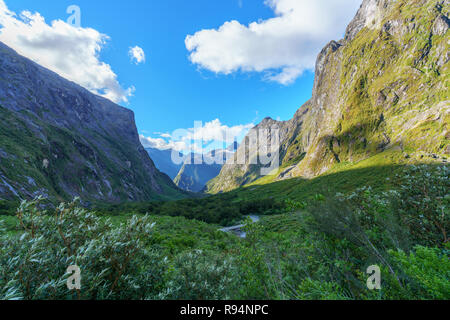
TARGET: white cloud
(137,55)
(159,143)
(71,52)
(283,47)
(216,131)
(200,139)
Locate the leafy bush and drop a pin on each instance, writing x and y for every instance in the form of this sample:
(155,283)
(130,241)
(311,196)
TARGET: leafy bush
(218,210)
(425,274)
(201,275)
(223,209)
(317,290)
(8,208)
(315,251)
(293,206)
(423,203)
(113,260)
(363,228)
(261,206)
(256,281)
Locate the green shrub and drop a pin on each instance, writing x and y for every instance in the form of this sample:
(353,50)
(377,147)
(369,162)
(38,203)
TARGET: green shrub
(8,208)
(201,275)
(423,203)
(114,263)
(260,206)
(319,251)
(318,290)
(425,274)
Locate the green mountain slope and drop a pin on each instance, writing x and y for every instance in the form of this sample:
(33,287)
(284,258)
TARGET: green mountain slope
(384,87)
(60,141)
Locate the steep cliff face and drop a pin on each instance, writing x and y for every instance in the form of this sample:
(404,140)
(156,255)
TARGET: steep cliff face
(198,169)
(244,167)
(193,177)
(383,87)
(59,140)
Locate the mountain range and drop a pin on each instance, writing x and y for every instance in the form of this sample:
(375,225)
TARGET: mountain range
(348,200)
(383,89)
(193,173)
(198,169)
(60,141)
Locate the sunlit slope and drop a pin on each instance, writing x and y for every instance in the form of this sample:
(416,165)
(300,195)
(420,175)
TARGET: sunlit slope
(383,87)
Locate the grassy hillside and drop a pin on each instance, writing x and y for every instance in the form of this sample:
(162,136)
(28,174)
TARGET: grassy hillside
(266,198)
(318,250)
(382,88)
(376,171)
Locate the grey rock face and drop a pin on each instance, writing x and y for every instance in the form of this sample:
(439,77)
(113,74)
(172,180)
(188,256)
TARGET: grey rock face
(369,15)
(372,92)
(441,25)
(198,169)
(74,143)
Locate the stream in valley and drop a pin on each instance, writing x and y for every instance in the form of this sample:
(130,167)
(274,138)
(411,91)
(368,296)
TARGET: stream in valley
(237,230)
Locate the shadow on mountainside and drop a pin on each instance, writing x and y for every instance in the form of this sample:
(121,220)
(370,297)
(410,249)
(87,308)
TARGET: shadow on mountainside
(379,177)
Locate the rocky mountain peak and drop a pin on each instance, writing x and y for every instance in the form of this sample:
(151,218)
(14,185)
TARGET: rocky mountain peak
(369,15)
(59,140)
(381,88)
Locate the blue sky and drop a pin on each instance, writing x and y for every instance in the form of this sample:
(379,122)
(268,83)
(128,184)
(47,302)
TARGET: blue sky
(172,89)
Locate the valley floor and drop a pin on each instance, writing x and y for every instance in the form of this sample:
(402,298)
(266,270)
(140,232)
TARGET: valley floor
(315,240)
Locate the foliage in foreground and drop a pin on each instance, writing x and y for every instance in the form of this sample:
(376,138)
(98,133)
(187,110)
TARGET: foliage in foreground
(314,252)
(114,261)
(324,253)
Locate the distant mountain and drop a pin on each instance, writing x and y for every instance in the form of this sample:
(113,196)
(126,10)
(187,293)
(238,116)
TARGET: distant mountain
(199,169)
(163,161)
(381,89)
(60,141)
(195,170)
(193,177)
